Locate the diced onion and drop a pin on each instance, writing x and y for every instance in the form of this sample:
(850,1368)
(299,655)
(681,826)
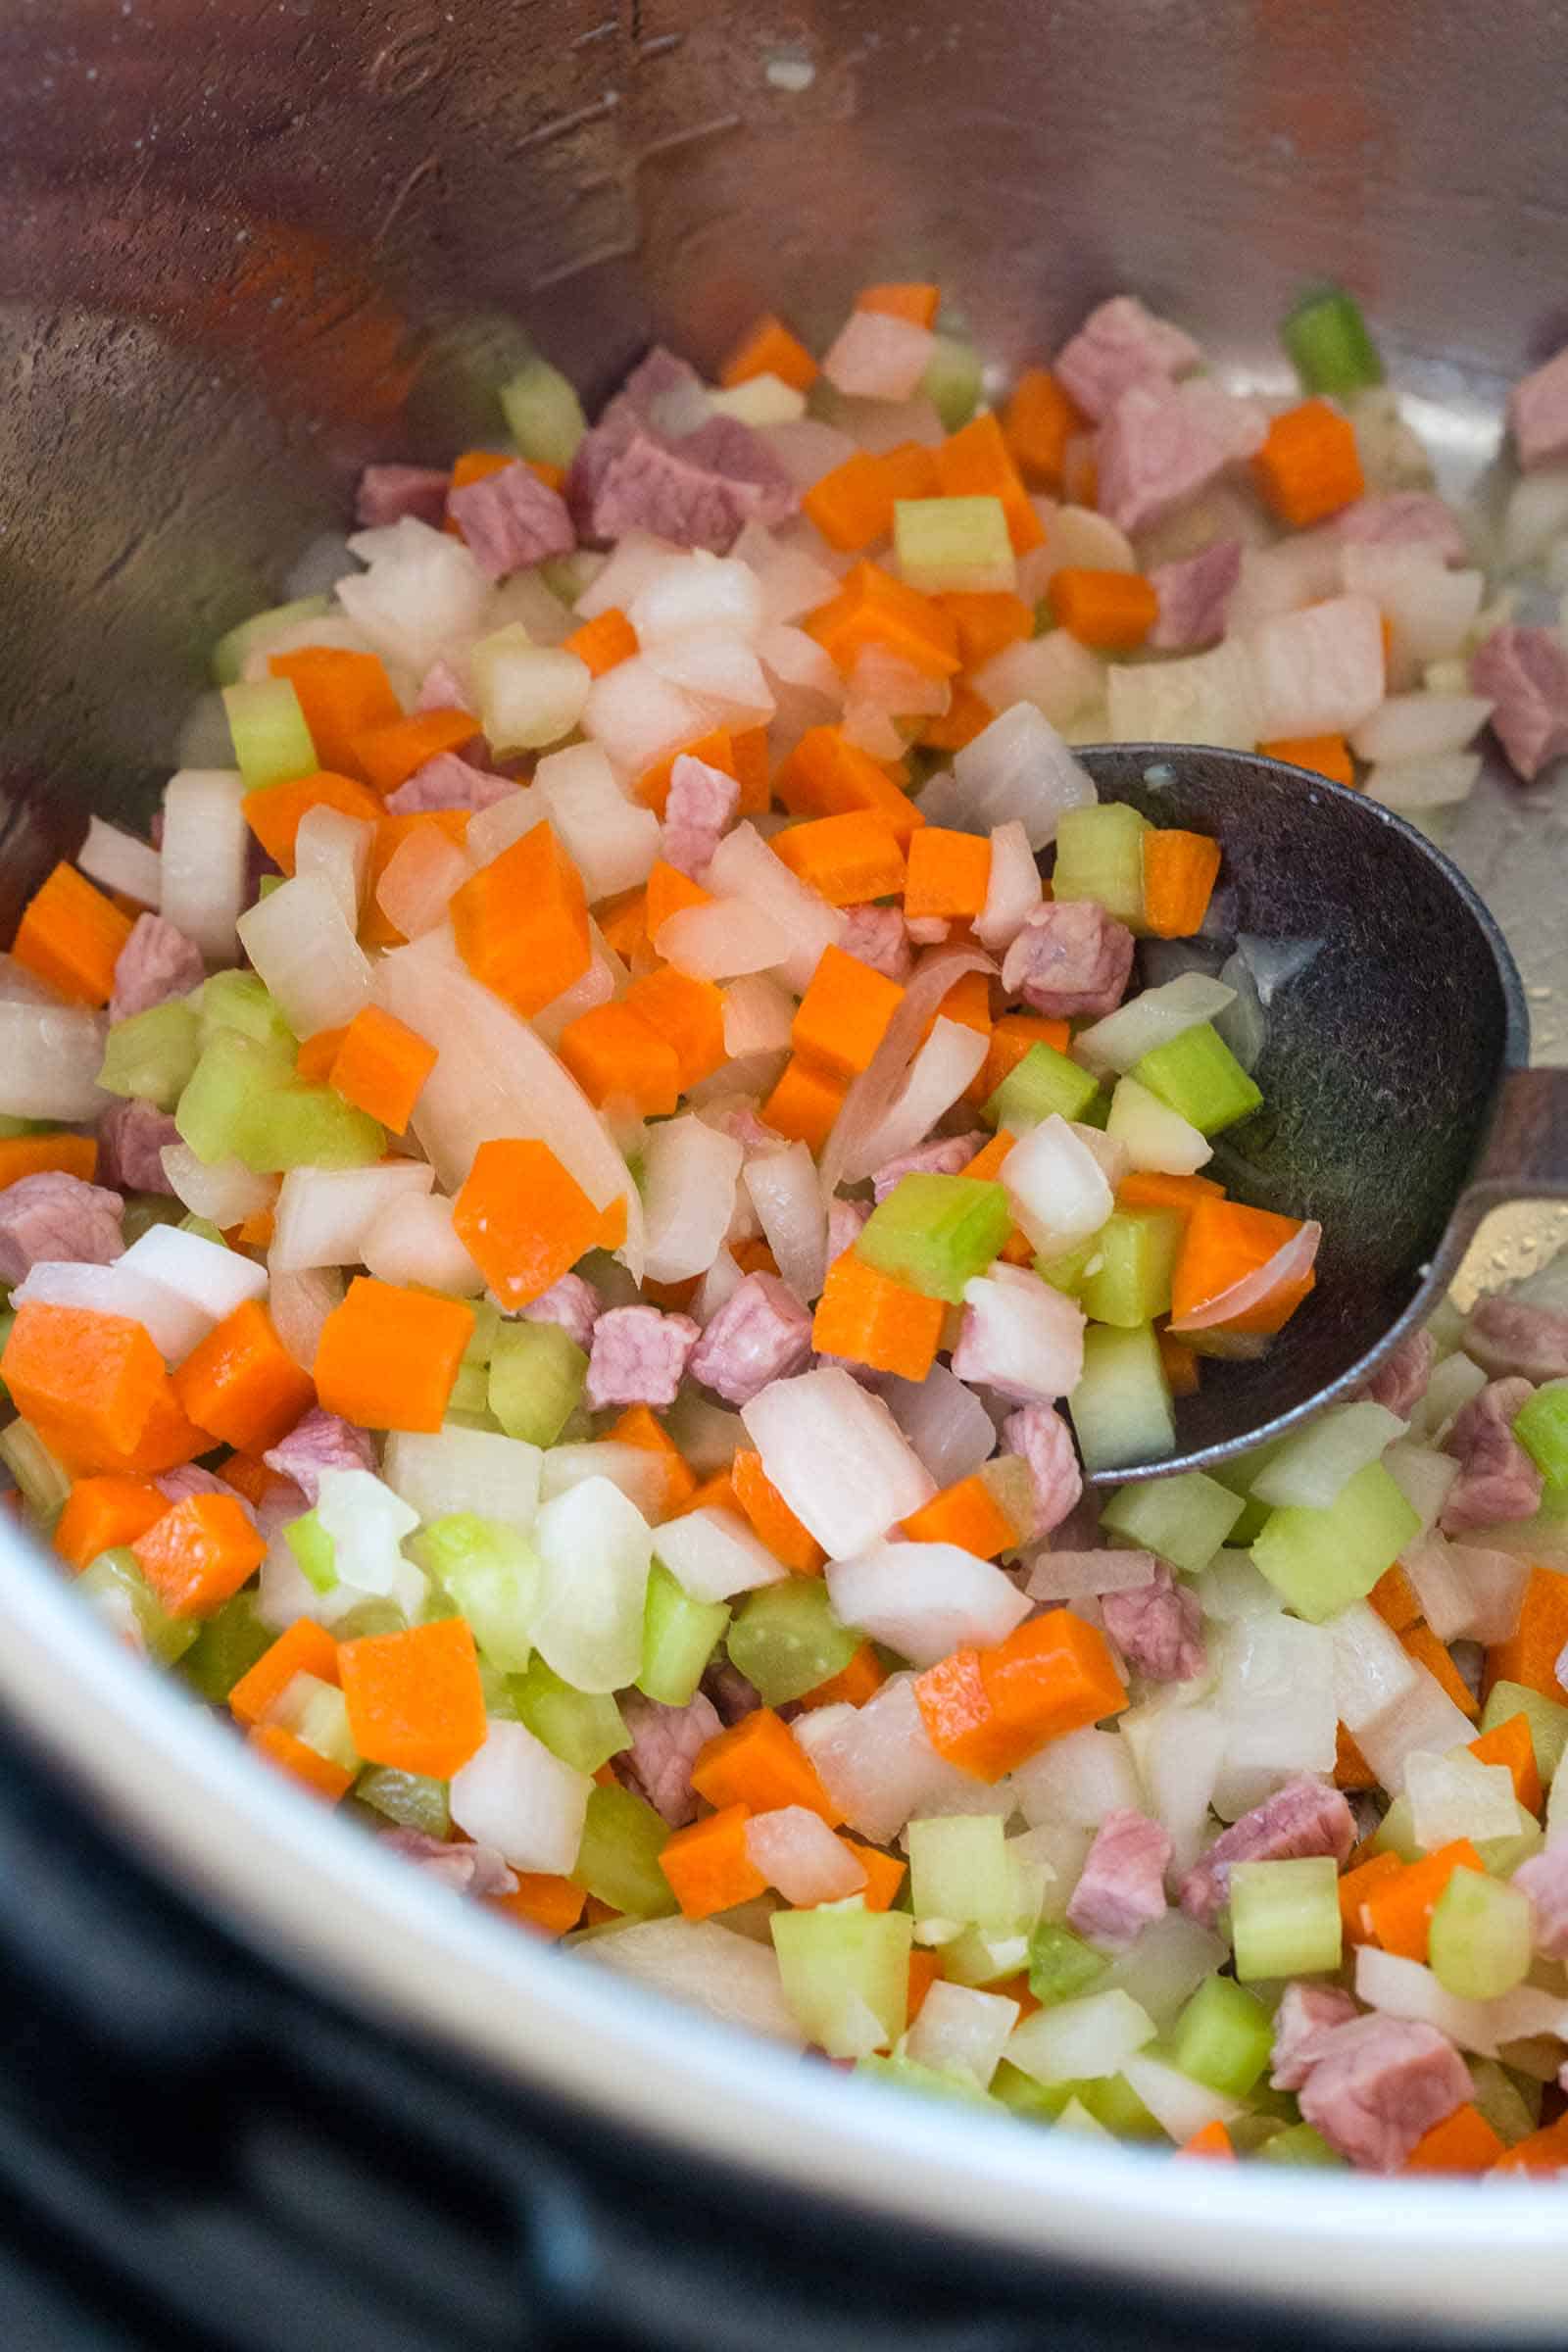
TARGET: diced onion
(924,1600)
(690,1173)
(713,1555)
(118,860)
(520,1799)
(838,1458)
(865,1107)
(323,1214)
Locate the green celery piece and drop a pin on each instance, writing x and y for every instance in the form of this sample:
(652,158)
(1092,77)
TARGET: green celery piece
(315,1713)
(114,1582)
(947,545)
(204,1229)
(1185,1519)
(1121,1408)
(492,1572)
(1112,2102)
(470,1395)
(1223,2037)
(1199,1076)
(239,1000)
(232,1075)
(1480,1938)
(315,1551)
(543,413)
(1541,1425)
(10,1126)
(42,1482)
(226,1647)
(1042,1082)
(1285,1917)
(8,1317)
(1329,344)
(297,1126)
(500,1693)
(936,1233)
(582,1729)
(144,1210)
(374,1615)
(908,2073)
(1320,1561)
(1396,1832)
(1070,1272)
(568,577)
(409,1799)
(981,1957)
(959,1870)
(1548,1720)
(838,1961)
(1501,2101)
(1137,1250)
(786,1640)
(617,1861)
(1299,2143)
(234,648)
(1035,2102)
(1061,1966)
(952,380)
(1100,856)
(271,741)
(679,1638)
(482,1339)
(152,1054)
(535,1380)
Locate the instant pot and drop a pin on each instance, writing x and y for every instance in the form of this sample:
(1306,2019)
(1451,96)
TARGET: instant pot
(263,2086)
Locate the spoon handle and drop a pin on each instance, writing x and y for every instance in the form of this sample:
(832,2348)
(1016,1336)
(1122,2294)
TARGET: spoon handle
(1525,1158)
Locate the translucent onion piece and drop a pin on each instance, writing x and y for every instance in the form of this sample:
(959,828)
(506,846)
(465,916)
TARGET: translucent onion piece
(872,1096)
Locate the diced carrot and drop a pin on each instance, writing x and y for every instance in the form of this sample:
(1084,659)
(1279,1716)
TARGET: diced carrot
(317,1053)
(758,1763)
(715,749)
(1214,2142)
(1309,466)
(521,922)
(596,1914)
(1012,1037)
(523,1218)
(863,1314)
(862,1678)
(1080,470)
(754,1256)
(616,1056)
(918,304)
(852,505)
(1180,871)
(976,462)
(1507,1744)
(968,1514)
(1530,1652)
(988,1710)
(885,1874)
(168,1438)
(1224,1242)
(949,874)
(873,608)
(1180,1364)
(1350,1768)
(431,829)
(199,1553)
(772,1521)
(1111,611)
(708,1865)
(687,1016)
(715,1494)
(90,1385)
(1325,755)
(42,1154)
(986,1165)
(71,936)
(242,1384)
(415,1699)
(254,1232)
(1428,1651)
(638,1426)
(967,1002)
(1400,1909)
(669,892)
(247,1477)
(273,811)
(381,1065)
(540,1901)
(1393,1598)
(752,756)
(316,1773)
(848,860)
(624,920)
(604,641)
(675,1297)
(102,1513)
(304,1647)
(827,775)
(343,694)
(1149,1188)
(1039,423)
(987,620)
(769,349)
(1355,1887)
(924,1969)
(844,1014)
(1463,2142)
(966,715)
(805,1104)
(910,471)
(389,755)
(387,1357)
(1545,2152)
(1017,1250)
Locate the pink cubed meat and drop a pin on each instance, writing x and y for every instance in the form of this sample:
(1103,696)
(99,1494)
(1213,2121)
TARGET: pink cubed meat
(1498,1480)
(57,1216)
(448,782)
(1524,674)
(650,487)
(944,1156)
(1304,1817)
(442,689)
(1306,2015)
(388,493)
(639,1356)
(1507,1335)
(1378,2086)
(701,806)
(1070,960)
(1159,1628)
(319,1441)
(1020,1338)
(511,520)
(1544,1879)
(1038,1434)
(465,1869)
(1122,1887)
(878,936)
(665,1743)
(157,962)
(761,1333)
(131,1140)
(177,1485)
(1405,519)
(1194,594)
(1400,1380)
(1538,412)
(730,1691)
(573,1304)
(1118,344)
(1160,447)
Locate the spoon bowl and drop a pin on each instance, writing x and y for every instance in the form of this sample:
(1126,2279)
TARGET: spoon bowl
(1397,1106)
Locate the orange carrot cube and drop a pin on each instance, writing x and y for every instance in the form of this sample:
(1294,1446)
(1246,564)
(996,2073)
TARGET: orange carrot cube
(415,1699)
(524,1219)
(387,1357)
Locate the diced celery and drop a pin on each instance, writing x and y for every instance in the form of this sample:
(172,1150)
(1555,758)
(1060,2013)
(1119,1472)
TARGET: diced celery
(144,1210)
(305,1127)
(1503,2101)
(543,413)
(1061,1966)
(1285,1917)
(42,1482)
(1299,2143)
(409,1799)
(240,1001)
(271,741)
(1088,2039)
(1076,2117)
(1121,1408)
(535,1380)
(1042,1082)
(373,1615)
(152,1054)
(1223,2037)
(1479,1943)
(471,1395)
(232,1073)
(8,1316)
(786,1640)
(1185,1519)
(1100,856)
(846,1975)
(483,1338)
(583,1729)
(1137,1250)
(959,1870)
(500,1693)
(1070,1272)
(1021,2095)
(1548,1720)
(11,1125)
(947,546)
(1396,1832)
(952,380)
(1199,1076)
(315,1713)
(116,1588)
(1501,1857)
(569,576)
(908,2073)
(617,1861)
(1329,345)
(226,1647)
(1114,2104)
(1541,1425)
(1320,1561)
(979,1956)
(936,1233)
(315,1551)
(204,1230)
(680,1637)
(492,1572)
(232,649)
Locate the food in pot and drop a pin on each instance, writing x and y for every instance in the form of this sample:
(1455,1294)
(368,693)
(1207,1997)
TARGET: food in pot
(571,1225)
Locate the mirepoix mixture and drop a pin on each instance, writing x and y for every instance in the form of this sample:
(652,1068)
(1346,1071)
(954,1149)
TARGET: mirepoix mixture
(573,1217)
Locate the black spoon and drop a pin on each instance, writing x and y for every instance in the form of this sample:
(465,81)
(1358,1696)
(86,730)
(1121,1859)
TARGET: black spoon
(1398,1106)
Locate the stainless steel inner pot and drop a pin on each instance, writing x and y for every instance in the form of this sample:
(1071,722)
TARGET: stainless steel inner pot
(242,246)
